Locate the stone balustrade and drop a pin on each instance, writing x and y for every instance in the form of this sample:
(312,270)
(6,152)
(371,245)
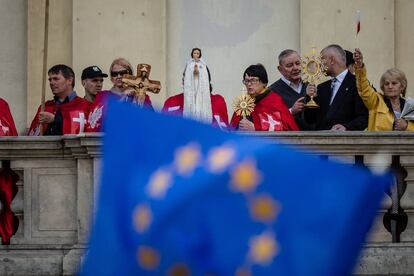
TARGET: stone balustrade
(59,176)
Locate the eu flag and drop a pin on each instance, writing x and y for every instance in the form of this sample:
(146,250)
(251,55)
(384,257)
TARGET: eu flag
(180,198)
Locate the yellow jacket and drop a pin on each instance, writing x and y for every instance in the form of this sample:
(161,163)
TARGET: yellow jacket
(380,117)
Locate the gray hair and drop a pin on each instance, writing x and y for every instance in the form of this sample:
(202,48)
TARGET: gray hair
(286,53)
(338,51)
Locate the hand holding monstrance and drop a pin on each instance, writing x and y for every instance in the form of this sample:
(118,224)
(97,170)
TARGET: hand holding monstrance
(312,70)
(140,84)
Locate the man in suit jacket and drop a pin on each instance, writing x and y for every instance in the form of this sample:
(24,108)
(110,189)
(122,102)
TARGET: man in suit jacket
(341,108)
(290,86)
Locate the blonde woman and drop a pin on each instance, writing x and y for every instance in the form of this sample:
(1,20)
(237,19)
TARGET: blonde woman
(118,69)
(384,108)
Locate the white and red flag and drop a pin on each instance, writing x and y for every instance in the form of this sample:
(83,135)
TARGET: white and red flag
(358,21)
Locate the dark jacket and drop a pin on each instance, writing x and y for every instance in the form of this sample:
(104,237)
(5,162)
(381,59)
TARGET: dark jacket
(290,96)
(347,107)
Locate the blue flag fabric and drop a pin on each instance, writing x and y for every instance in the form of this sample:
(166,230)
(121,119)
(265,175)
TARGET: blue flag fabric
(180,198)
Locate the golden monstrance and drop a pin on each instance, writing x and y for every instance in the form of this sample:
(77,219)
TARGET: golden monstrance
(313,70)
(243,105)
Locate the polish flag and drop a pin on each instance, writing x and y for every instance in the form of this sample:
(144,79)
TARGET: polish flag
(358,20)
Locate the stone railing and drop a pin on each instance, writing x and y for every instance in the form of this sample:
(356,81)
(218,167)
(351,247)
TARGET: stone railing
(54,202)
(59,176)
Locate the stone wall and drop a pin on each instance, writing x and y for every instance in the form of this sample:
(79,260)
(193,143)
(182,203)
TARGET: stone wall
(54,203)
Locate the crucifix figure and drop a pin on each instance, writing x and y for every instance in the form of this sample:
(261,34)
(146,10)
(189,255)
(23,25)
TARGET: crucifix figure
(141,84)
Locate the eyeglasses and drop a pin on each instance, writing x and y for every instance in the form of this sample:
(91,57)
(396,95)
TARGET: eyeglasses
(250,81)
(119,73)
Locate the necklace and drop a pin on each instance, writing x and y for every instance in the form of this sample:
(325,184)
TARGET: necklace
(396,106)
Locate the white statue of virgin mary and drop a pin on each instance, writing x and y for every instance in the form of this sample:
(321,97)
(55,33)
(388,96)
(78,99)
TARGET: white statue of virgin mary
(197,99)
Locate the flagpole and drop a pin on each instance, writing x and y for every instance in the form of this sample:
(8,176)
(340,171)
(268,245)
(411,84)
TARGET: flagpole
(45,51)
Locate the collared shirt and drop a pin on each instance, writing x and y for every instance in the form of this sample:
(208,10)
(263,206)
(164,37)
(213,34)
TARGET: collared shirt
(339,79)
(297,88)
(68,98)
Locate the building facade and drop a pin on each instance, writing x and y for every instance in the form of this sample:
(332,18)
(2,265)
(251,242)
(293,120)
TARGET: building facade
(232,34)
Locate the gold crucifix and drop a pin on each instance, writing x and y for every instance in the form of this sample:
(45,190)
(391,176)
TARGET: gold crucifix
(141,84)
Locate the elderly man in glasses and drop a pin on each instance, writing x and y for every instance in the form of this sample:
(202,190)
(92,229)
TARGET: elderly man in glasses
(270,112)
(119,68)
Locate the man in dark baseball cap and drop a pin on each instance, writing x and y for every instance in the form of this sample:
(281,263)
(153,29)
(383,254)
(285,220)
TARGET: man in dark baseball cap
(92,80)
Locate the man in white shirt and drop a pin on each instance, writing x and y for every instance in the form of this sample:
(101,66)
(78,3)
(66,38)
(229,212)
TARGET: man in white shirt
(340,106)
(290,86)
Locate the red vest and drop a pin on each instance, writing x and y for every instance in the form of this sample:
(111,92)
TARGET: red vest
(98,110)
(174,105)
(74,115)
(7,126)
(269,114)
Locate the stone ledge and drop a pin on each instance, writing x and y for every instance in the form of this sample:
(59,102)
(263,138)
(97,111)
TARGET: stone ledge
(88,145)
(386,259)
(40,260)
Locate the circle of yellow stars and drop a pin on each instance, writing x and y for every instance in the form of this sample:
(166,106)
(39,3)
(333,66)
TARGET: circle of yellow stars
(245,178)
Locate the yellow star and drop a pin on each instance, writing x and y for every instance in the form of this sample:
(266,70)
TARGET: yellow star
(187,159)
(179,270)
(245,177)
(220,158)
(148,258)
(263,249)
(263,208)
(159,184)
(243,272)
(142,218)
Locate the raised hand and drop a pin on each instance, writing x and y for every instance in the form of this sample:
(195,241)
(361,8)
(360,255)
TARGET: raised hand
(358,58)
